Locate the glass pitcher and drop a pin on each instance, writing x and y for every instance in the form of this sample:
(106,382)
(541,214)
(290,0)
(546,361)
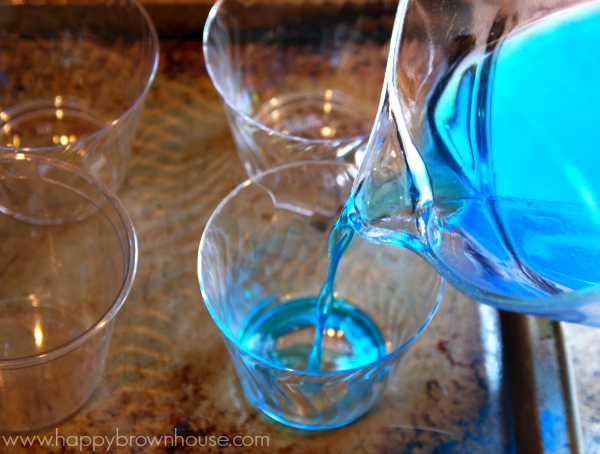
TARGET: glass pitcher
(484,156)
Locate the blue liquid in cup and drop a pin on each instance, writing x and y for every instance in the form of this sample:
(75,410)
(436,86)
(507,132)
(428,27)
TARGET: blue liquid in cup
(284,335)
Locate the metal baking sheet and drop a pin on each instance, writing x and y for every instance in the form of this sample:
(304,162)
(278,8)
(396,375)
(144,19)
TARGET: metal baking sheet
(168,373)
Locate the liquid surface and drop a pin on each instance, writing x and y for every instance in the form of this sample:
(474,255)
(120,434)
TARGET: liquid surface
(33,327)
(284,334)
(510,144)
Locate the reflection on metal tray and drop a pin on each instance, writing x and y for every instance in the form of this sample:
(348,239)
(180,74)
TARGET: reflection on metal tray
(540,376)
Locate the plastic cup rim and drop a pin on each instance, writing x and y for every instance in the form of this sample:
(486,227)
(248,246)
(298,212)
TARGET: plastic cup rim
(205,38)
(389,357)
(130,265)
(153,40)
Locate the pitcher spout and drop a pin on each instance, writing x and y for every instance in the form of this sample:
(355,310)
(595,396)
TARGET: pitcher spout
(392,193)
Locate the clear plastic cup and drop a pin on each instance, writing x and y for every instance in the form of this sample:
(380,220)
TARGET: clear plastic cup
(74,75)
(299,80)
(263,254)
(62,281)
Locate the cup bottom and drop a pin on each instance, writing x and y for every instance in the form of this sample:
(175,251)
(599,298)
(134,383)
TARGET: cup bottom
(314,426)
(37,396)
(315,116)
(32,326)
(284,335)
(40,124)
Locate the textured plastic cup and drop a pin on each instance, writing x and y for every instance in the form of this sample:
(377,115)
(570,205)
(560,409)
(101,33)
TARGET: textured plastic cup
(74,75)
(299,80)
(267,242)
(62,282)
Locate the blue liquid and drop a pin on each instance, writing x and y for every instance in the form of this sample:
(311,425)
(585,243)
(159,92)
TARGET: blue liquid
(316,334)
(284,334)
(339,240)
(518,130)
(510,146)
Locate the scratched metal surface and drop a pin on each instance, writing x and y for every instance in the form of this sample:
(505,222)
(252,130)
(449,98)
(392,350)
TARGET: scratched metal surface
(167,368)
(584,344)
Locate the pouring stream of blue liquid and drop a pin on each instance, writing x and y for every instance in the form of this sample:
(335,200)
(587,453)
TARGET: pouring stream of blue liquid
(510,142)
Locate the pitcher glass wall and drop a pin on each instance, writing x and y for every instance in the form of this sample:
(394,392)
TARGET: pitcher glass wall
(484,157)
